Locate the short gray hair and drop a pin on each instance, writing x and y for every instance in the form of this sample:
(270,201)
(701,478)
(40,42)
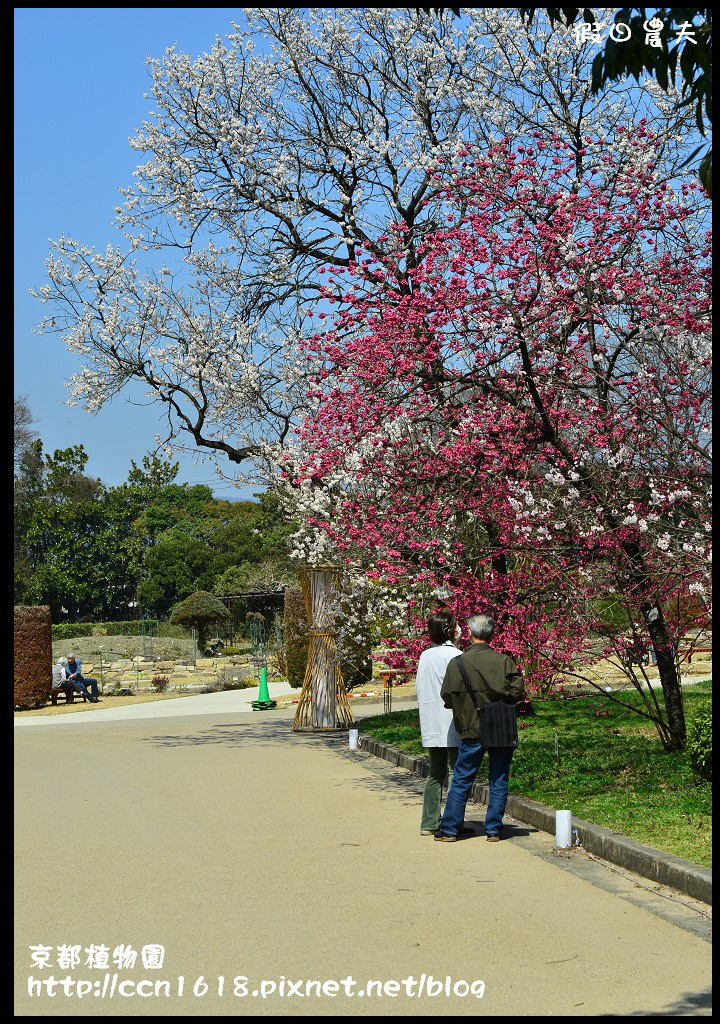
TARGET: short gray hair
(481,627)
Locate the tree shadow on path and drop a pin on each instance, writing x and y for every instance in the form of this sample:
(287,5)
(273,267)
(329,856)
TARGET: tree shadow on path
(378,776)
(692,1004)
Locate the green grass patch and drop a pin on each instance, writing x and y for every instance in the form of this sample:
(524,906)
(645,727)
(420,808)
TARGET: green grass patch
(610,769)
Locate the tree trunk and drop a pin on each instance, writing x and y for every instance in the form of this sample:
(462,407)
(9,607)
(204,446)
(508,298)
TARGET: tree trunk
(674,733)
(669,678)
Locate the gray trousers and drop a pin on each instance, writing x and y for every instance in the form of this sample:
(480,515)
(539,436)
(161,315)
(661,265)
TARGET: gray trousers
(442,763)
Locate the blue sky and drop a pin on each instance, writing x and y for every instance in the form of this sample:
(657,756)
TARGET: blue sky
(80,76)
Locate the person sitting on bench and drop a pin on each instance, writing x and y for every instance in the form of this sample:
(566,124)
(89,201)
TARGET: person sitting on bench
(79,682)
(60,679)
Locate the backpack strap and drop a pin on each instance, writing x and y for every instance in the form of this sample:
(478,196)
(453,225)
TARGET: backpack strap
(463,674)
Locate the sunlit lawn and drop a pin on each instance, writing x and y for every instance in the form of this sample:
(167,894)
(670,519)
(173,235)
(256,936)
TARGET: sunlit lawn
(610,769)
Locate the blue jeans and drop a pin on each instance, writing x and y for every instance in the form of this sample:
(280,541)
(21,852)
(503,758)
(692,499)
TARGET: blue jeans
(468,761)
(88,686)
(91,684)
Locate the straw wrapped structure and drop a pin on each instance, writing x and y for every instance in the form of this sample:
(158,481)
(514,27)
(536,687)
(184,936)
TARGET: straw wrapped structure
(323,702)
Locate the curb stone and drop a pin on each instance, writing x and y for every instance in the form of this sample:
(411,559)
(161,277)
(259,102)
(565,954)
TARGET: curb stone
(666,869)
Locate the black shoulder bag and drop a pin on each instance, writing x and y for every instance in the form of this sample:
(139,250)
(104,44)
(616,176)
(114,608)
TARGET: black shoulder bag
(498,721)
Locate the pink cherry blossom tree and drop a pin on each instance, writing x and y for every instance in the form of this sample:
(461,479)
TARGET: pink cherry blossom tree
(519,419)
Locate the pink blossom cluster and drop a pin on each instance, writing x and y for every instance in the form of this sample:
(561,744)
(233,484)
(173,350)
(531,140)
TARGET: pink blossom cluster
(514,415)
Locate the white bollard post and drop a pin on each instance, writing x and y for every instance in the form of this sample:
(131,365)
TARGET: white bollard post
(353,738)
(563,830)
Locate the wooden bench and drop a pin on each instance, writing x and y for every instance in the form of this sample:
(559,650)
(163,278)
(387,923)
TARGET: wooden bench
(689,654)
(67,692)
(393,676)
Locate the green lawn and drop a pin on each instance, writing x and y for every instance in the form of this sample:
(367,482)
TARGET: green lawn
(610,769)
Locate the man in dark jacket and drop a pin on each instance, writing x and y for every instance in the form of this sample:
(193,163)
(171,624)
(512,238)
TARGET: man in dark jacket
(80,682)
(493,676)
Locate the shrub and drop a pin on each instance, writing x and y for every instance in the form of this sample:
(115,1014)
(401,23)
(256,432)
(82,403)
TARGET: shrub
(297,630)
(699,740)
(199,611)
(109,681)
(238,684)
(71,630)
(168,630)
(128,627)
(160,683)
(279,658)
(126,693)
(135,627)
(33,655)
(235,678)
(211,688)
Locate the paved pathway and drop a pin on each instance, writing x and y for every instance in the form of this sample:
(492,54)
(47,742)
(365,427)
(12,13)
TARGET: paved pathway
(225,702)
(248,851)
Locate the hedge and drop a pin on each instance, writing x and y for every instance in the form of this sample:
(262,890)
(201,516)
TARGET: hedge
(699,740)
(32,655)
(70,630)
(130,627)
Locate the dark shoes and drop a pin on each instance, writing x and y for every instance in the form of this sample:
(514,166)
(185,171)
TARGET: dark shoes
(442,837)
